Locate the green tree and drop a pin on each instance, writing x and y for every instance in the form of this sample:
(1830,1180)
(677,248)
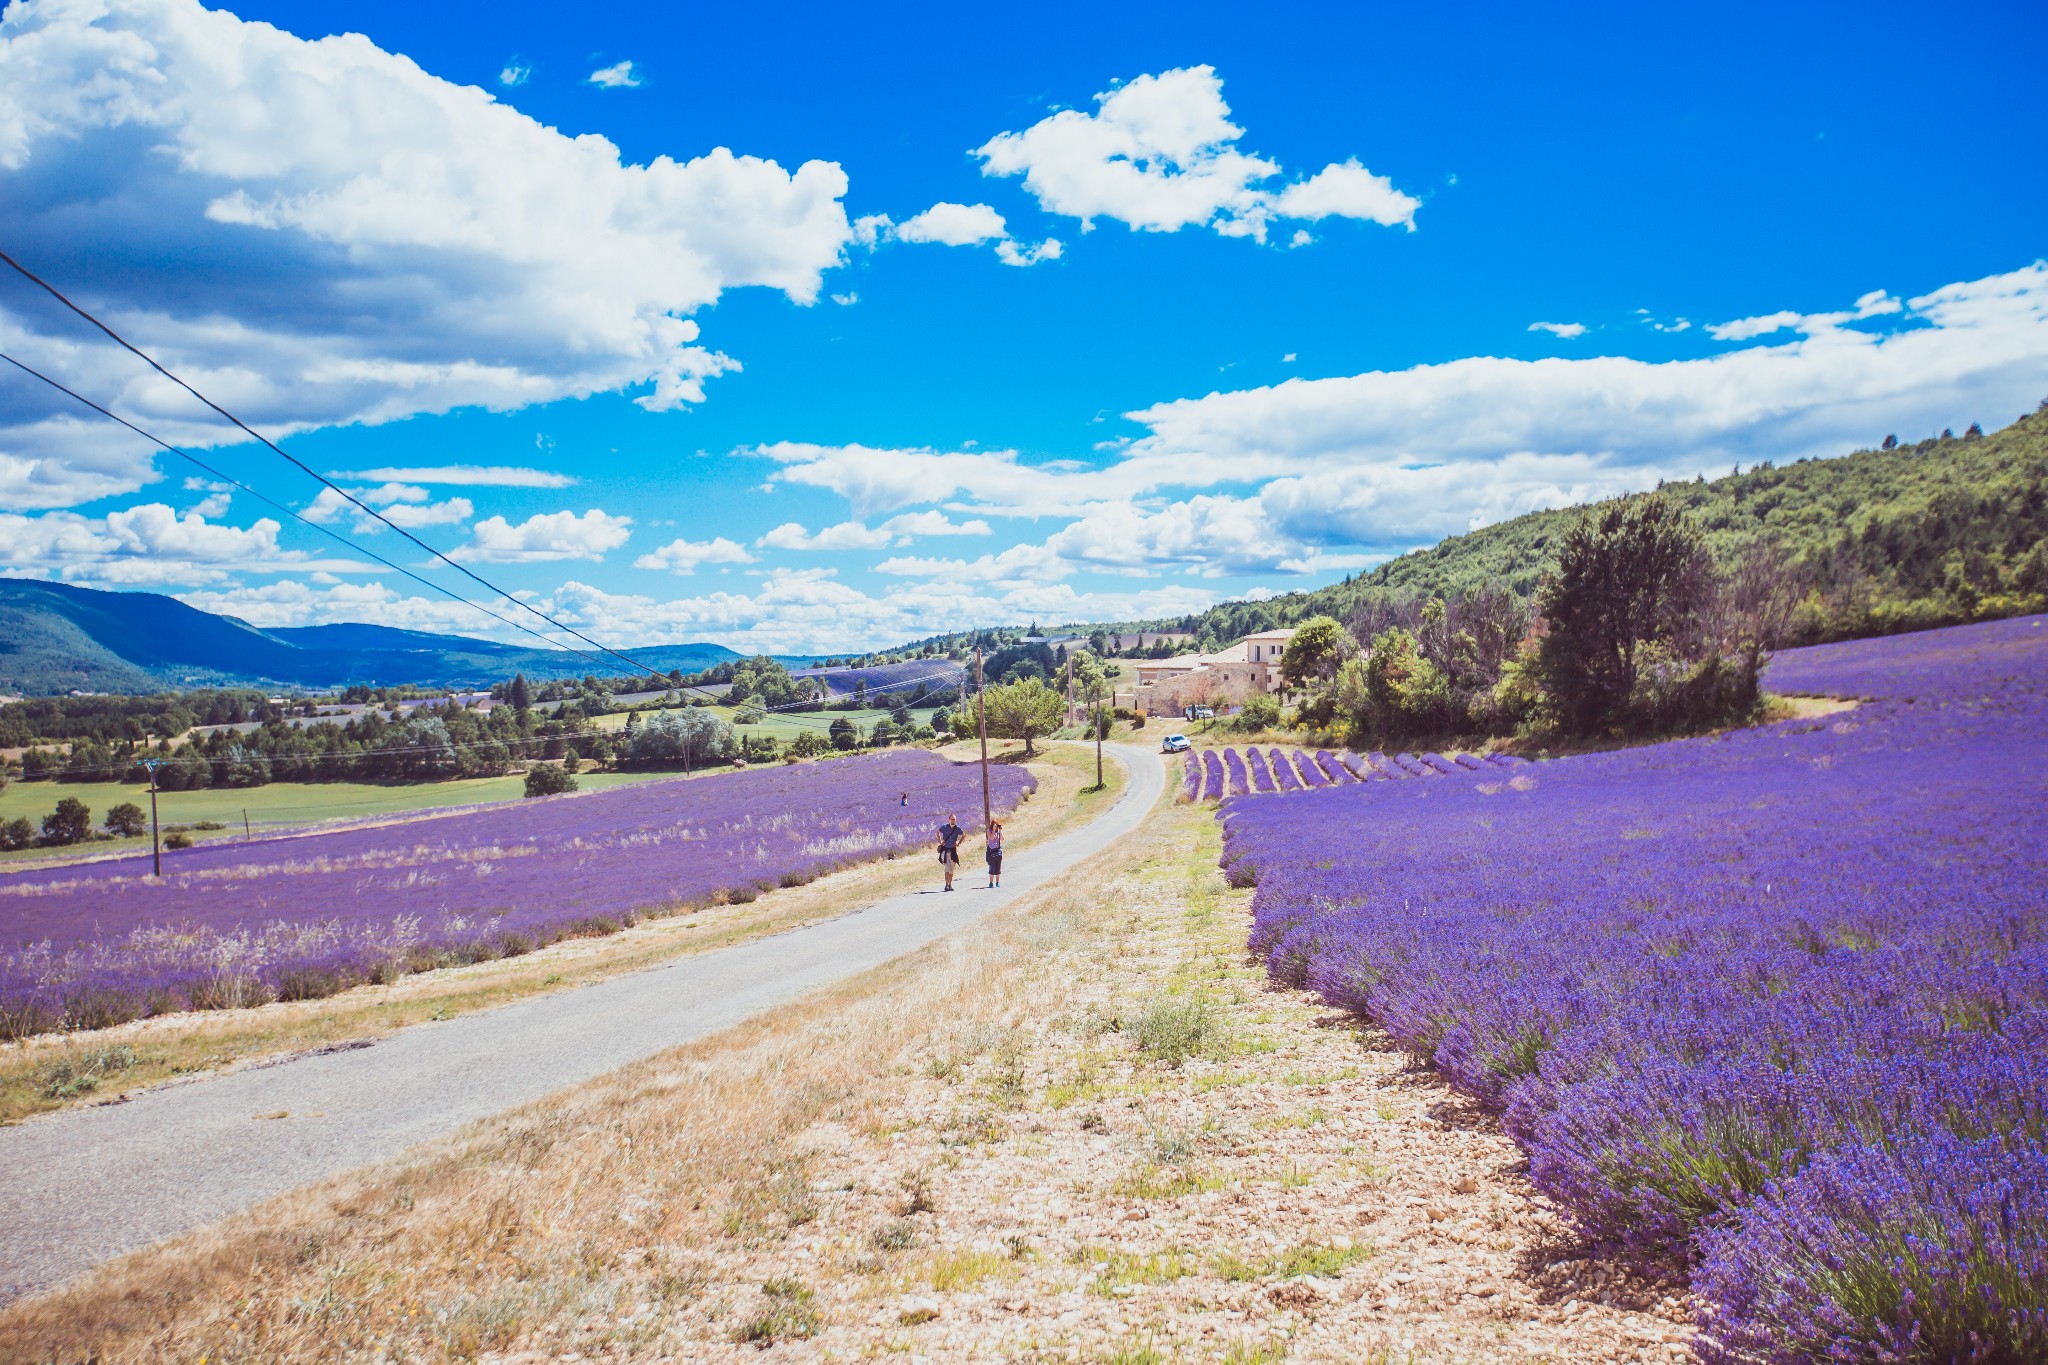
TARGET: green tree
(807,745)
(17,833)
(548,779)
(1024,710)
(127,820)
(522,695)
(845,734)
(681,739)
(1319,647)
(1634,576)
(70,823)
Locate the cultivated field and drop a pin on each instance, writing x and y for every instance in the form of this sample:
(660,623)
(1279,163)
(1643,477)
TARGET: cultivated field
(270,807)
(1767,1010)
(233,924)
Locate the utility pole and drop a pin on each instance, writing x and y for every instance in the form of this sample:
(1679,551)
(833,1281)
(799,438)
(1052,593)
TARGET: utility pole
(156,838)
(1098,734)
(981,723)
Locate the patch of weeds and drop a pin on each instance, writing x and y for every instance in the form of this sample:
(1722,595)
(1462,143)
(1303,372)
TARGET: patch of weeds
(1307,1118)
(1093,1122)
(956,1270)
(1175,1029)
(1222,1080)
(917,1193)
(1293,1178)
(789,1314)
(1116,1269)
(943,1066)
(1167,1145)
(474,1324)
(1152,1182)
(81,1073)
(894,1235)
(974,1127)
(1324,1262)
(1135,1353)
(1349,1073)
(1006,1074)
(1386,1111)
(1256,1353)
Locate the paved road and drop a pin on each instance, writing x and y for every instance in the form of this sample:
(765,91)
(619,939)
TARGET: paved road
(80,1187)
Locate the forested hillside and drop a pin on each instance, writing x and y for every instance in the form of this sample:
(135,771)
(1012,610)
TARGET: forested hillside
(1946,530)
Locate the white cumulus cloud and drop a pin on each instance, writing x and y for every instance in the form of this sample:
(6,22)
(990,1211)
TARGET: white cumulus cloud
(545,536)
(1161,154)
(321,232)
(1566,330)
(685,556)
(964,225)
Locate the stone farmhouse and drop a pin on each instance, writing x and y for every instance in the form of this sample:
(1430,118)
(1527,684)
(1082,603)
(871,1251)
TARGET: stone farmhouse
(1227,677)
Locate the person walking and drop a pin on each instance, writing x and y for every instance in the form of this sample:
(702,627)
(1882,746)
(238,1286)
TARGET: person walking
(950,835)
(995,854)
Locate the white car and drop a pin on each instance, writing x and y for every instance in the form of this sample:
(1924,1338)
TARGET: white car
(1175,744)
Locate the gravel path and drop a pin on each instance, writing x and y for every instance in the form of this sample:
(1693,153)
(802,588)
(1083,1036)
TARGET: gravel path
(83,1186)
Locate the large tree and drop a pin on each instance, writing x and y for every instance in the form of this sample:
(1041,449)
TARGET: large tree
(1634,576)
(1319,646)
(1024,710)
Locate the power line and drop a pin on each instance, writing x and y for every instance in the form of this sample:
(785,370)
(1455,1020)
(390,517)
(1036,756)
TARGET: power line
(281,507)
(364,507)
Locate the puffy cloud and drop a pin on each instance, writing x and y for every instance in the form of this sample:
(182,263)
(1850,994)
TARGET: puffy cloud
(545,536)
(403,505)
(1566,330)
(964,225)
(515,73)
(683,556)
(320,232)
(617,76)
(858,535)
(150,544)
(465,476)
(953,225)
(1161,154)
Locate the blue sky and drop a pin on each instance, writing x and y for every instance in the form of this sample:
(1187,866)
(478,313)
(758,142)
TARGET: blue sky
(1290,326)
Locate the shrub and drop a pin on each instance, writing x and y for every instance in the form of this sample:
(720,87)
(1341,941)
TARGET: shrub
(177,839)
(15,834)
(546,779)
(1260,712)
(1174,1030)
(127,820)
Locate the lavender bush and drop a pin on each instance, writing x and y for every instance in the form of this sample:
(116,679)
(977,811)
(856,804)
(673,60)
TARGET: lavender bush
(241,923)
(1769,1009)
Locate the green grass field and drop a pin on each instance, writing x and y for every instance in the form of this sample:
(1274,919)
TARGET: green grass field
(783,727)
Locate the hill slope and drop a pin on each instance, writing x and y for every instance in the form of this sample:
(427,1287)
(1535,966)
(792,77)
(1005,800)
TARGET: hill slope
(1920,535)
(59,638)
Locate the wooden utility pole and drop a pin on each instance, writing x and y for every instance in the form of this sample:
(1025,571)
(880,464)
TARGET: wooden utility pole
(156,838)
(981,721)
(1098,734)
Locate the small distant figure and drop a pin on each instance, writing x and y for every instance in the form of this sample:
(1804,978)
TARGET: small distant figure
(903,800)
(950,835)
(995,854)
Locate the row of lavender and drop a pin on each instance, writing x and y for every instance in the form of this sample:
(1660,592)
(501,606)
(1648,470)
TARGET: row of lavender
(242,923)
(1768,1009)
(1212,774)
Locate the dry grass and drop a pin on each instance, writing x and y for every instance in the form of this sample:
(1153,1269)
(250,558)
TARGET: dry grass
(964,1155)
(45,1074)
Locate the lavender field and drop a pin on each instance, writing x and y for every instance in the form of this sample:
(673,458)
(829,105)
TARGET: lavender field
(243,923)
(1208,774)
(1767,1011)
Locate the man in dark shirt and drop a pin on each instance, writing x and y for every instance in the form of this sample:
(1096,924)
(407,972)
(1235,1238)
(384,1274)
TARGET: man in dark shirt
(950,835)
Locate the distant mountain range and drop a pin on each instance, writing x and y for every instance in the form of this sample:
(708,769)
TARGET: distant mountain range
(57,638)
